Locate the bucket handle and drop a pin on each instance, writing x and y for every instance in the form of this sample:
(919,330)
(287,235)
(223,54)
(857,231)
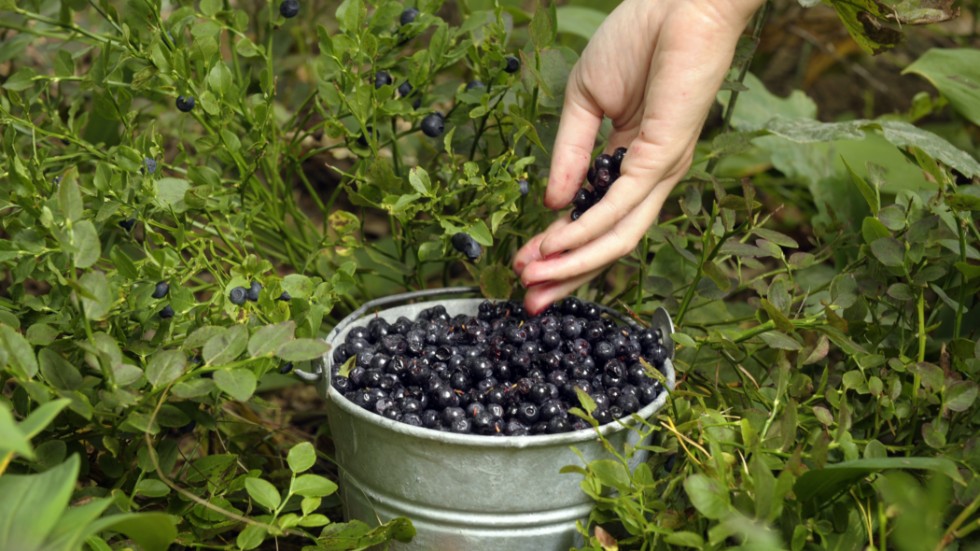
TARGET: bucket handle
(660,320)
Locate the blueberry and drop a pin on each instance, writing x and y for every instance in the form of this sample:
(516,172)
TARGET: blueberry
(576,214)
(603,162)
(150,164)
(167,312)
(404,89)
(433,125)
(583,199)
(287,367)
(127,224)
(474,84)
(289,8)
(285,297)
(161,290)
(238,295)
(253,291)
(513,64)
(185,104)
(465,244)
(382,78)
(617,158)
(408,15)
(524,186)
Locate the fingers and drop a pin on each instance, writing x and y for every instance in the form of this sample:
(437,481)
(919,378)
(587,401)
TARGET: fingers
(580,119)
(541,296)
(644,173)
(603,251)
(531,251)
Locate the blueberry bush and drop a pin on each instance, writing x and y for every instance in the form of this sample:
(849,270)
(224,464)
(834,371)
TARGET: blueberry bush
(193,193)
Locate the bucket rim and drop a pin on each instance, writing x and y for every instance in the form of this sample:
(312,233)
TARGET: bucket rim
(334,397)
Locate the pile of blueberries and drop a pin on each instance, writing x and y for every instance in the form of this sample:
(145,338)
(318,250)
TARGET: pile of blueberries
(603,172)
(502,372)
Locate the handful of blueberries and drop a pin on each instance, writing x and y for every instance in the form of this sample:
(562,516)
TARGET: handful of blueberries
(602,174)
(501,372)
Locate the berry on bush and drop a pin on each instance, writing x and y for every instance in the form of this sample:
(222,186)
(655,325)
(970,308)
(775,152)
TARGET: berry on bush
(524,186)
(494,374)
(433,125)
(167,312)
(465,244)
(285,297)
(252,293)
(382,78)
(161,290)
(289,8)
(513,64)
(150,164)
(238,295)
(127,224)
(404,89)
(185,103)
(408,16)
(474,84)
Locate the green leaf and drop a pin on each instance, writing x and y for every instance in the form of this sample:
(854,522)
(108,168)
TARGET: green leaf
(151,487)
(588,404)
(251,537)
(70,198)
(310,504)
(955,72)
(816,487)
(497,281)
(872,230)
(579,21)
(75,524)
(12,438)
(870,195)
(164,367)
(210,7)
(152,531)
(17,353)
(264,493)
(43,416)
(481,233)
(33,504)
(311,485)
(780,341)
(959,396)
(708,496)
(297,285)
(88,249)
(226,346)
(268,339)
(220,79)
(238,383)
(610,473)
(58,371)
(419,179)
(300,350)
(685,539)
(97,297)
(544,25)
(170,193)
(301,457)
(889,251)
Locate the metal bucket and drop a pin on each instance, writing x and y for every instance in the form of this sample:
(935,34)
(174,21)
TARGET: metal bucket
(465,492)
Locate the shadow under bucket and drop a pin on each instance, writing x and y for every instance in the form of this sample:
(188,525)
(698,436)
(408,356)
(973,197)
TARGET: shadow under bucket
(466,492)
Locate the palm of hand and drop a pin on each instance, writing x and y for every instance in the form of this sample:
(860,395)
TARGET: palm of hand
(653,68)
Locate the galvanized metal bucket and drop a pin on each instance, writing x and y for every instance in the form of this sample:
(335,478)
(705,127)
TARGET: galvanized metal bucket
(465,492)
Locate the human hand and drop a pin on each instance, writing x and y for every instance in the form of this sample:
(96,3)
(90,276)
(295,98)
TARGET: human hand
(653,67)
